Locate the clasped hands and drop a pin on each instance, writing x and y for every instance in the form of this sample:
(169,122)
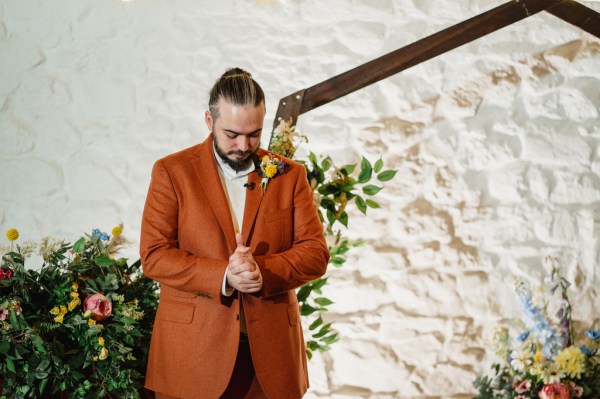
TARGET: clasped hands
(243,273)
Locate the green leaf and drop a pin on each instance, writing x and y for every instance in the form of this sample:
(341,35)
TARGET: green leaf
(42,385)
(361,204)
(366,171)
(330,339)
(303,293)
(378,165)
(372,204)
(337,261)
(326,163)
(330,216)
(313,158)
(307,309)
(348,169)
(316,323)
(323,301)
(387,175)
(4,347)
(10,365)
(344,219)
(318,284)
(104,261)
(320,334)
(79,246)
(371,189)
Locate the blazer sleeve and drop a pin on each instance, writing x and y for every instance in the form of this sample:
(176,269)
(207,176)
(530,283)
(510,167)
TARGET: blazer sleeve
(307,259)
(162,259)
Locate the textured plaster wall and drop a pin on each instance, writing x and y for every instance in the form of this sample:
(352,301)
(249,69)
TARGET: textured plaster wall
(496,143)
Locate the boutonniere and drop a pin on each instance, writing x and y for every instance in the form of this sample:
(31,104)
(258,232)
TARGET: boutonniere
(270,166)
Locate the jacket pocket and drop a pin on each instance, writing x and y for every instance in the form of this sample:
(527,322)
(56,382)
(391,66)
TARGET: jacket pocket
(175,312)
(293,314)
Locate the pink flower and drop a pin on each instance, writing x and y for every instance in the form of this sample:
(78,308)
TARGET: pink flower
(523,387)
(577,390)
(99,306)
(8,274)
(555,391)
(3,313)
(516,382)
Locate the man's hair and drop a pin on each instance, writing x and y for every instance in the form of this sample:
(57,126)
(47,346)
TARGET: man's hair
(237,87)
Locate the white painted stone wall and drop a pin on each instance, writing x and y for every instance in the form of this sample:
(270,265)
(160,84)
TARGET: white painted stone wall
(496,143)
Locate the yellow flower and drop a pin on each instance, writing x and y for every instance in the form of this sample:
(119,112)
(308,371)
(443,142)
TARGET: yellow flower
(73,304)
(572,361)
(270,170)
(91,322)
(75,286)
(117,230)
(266,158)
(103,353)
(95,358)
(538,357)
(101,341)
(63,309)
(276,160)
(100,326)
(59,318)
(87,314)
(12,234)
(74,295)
(55,311)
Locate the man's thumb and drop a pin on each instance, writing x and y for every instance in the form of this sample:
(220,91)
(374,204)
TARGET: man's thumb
(238,240)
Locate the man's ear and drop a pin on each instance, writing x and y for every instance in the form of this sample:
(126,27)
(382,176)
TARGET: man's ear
(209,120)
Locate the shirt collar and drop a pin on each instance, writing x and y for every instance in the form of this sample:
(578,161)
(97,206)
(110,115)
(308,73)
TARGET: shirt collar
(228,170)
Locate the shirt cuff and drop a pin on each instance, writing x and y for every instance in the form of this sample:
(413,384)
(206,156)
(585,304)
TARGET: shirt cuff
(225,290)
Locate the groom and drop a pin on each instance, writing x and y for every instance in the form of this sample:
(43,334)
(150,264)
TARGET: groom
(229,231)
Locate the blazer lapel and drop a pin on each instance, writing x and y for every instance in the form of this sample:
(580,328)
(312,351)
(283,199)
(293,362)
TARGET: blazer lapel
(253,200)
(205,166)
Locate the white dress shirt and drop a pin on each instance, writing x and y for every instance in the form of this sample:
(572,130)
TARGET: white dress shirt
(233,184)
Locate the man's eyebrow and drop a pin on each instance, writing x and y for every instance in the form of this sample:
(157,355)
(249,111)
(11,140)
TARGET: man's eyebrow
(243,134)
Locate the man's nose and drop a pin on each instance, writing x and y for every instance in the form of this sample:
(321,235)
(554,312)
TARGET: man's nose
(243,142)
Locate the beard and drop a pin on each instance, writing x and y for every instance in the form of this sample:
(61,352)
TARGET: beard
(237,164)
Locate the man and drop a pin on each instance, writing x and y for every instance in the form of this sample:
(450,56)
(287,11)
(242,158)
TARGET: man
(229,240)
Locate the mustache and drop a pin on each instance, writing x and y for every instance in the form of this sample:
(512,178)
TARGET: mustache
(239,152)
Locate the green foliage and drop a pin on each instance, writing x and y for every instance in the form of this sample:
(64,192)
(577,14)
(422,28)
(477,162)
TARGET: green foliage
(334,188)
(43,354)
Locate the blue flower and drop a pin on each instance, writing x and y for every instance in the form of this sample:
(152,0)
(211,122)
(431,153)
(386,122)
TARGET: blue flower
(593,334)
(99,234)
(587,351)
(523,336)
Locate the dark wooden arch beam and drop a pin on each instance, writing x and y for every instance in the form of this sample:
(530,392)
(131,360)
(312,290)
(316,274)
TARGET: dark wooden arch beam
(295,104)
(578,15)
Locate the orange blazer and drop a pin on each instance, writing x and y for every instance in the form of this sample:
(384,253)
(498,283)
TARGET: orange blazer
(186,240)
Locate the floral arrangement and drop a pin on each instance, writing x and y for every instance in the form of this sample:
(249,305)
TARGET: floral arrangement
(270,166)
(79,325)
(547,359)
(285,139)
